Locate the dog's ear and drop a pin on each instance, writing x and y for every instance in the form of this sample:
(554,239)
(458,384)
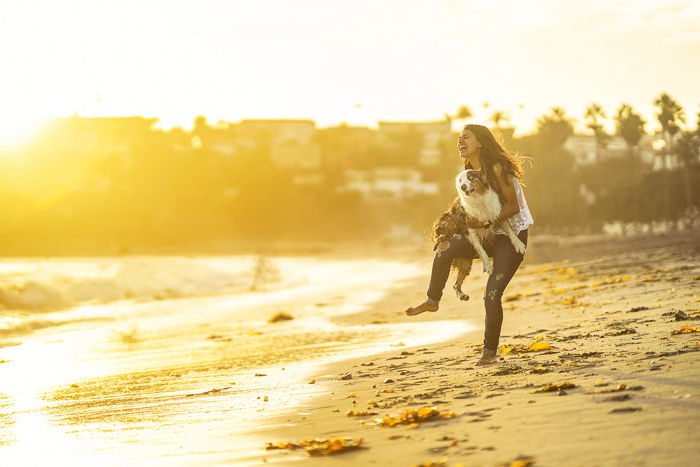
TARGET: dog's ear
(457,209)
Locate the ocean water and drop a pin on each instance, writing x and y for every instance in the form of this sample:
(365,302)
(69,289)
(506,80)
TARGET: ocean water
(174,361)
(32,290)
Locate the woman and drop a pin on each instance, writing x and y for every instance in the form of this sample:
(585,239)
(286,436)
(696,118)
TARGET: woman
(481,151)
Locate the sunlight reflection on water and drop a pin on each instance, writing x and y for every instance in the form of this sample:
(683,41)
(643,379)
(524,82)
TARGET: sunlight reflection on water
(169,384)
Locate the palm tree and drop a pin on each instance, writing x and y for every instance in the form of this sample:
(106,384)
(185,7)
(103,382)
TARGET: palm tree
(497,117)
(670,114)
(630,125)
(594,114)
(463,113)
(555,128)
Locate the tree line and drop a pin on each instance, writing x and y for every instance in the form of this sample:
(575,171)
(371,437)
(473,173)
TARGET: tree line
(62,194)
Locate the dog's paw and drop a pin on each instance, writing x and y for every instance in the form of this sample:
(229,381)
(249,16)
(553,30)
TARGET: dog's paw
(488,267)
(519,246)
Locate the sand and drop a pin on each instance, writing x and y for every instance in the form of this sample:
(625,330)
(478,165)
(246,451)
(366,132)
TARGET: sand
(607,314)
(172,387)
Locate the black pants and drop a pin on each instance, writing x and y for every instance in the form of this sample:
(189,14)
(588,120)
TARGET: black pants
(505,262)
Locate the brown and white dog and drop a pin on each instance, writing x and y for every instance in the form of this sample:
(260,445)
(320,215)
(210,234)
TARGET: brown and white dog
(481,202)
(450,225)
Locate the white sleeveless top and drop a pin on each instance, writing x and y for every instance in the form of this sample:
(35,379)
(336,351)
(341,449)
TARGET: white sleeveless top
(523,219)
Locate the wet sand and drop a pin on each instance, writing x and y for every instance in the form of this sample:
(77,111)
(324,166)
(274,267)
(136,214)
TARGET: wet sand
(176,384)
(184,382)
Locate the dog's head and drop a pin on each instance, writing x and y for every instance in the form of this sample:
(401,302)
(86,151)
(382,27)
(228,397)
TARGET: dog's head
(450,222)
(470,181)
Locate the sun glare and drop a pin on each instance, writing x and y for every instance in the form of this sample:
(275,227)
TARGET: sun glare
(16,131)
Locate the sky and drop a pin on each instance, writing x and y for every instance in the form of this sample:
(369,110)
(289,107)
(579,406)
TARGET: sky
(333,61)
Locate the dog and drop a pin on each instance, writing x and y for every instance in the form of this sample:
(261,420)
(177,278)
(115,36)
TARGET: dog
(453,224)
(481,202)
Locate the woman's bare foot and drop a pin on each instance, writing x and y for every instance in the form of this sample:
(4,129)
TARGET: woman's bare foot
(425,306)
(486,360)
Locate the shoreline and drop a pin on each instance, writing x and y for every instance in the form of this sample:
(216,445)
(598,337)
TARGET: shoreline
(574,305)
(143,368)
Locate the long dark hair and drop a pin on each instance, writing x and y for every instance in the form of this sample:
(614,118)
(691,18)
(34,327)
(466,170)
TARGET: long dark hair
(493,152)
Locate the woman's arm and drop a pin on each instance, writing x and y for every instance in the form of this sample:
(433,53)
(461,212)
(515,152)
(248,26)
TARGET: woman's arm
(507,189)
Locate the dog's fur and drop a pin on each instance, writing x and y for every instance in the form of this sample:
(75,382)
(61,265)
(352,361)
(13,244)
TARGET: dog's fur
(479,201)
(453,224)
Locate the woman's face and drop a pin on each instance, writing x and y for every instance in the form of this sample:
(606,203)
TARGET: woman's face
(467,144)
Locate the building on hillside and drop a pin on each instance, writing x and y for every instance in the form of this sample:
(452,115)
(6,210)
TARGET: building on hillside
(388,183)
(346,147)
(434,137)
(586,151)
(292,143)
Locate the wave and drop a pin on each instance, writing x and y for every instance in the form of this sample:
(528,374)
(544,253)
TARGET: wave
(51,285)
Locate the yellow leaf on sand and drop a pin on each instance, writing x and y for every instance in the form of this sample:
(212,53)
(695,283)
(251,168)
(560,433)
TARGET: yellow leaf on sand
(554,387)
(506,350)
(536,346)
(321,447)
(254,333)
(685,330)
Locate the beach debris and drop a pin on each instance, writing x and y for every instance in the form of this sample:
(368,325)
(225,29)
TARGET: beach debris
(367,364)
(389,380)
(539,370)
(254,333)
(313,381)
(554,387)
(612,280)
(406,352)
(626,410)
(412,417)
(685,330)
(346,376)
(536,346)
(281,316)
(618,388)
(520,461)
(320,447)
(442,462)
(359,413)
(400,344)
(622,332)
(507,370)
(260,374)
(637,309)
(211,391)
(681,316)
(618,398)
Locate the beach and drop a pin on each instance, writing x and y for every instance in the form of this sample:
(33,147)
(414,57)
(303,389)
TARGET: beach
(212,378)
